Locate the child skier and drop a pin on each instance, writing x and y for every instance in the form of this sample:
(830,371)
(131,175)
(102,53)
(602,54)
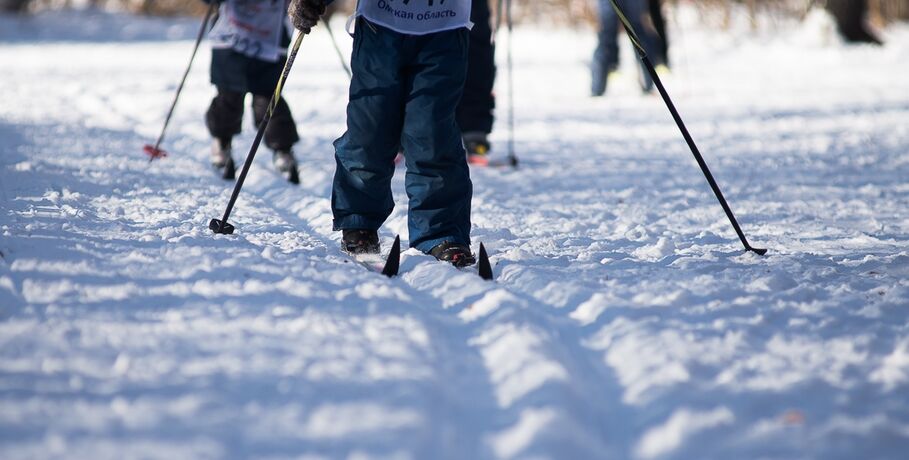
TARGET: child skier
(249,46)
(409,64)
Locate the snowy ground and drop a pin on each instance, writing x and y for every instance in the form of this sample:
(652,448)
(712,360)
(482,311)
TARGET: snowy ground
(626,322)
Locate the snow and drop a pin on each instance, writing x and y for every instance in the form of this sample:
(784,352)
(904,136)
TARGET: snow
(625,321)
(683,423)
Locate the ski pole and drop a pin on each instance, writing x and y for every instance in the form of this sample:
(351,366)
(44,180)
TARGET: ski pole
(222,226)
(154,151)
(635,40)
(512,158)
(334,43)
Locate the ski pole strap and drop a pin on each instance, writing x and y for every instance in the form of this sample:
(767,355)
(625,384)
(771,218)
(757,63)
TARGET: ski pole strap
(280,86)
(630,30)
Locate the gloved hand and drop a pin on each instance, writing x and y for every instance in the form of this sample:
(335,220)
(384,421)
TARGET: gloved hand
(304,14)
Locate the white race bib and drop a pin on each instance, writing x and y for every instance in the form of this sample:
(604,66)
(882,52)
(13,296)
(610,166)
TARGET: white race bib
(416,17)
(251,27)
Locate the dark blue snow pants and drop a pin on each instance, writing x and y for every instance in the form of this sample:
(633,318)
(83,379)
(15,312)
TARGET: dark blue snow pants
(404,91)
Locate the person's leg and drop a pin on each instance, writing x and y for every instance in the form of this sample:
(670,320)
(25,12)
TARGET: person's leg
(223,119)
(281,132)
(606,54)
(475,111)
(438,179)
(637,12)
(659,26)
(361,192)
(280,135)
(225,115)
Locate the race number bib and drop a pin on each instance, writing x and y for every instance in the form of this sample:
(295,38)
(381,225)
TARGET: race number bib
(251,27)
(417,17)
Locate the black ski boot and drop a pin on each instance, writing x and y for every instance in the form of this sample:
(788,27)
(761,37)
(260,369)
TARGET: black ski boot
(222,159)
(456,254)
(286,164)
(359,241)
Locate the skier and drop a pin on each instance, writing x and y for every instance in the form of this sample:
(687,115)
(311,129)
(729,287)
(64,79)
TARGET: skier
(606,55)
(249,47)
(475,112)
(409,64)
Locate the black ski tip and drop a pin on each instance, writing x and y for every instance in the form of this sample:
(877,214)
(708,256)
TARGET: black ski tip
(223,228)
(229,171)
(757,251)
(393,262)
(484,268)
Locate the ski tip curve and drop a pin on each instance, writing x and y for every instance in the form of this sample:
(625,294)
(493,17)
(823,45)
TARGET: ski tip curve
(393,262)
(484,267)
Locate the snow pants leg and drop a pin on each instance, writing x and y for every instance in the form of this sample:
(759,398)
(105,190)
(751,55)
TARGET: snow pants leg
(475,111)
(235,75)
(224,119)
(281,132)
(405,90)
(655,8)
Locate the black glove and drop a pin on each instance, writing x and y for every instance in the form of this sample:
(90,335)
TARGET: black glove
(304,14)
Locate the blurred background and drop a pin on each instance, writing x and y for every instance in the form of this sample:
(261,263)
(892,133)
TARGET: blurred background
(856,20)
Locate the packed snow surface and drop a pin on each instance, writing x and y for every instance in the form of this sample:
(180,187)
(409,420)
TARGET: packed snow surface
(625,321)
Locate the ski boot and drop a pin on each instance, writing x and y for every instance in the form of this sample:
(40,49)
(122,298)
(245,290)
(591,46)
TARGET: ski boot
(477,146)
(456,254)
(360,241)
(222,159)
(286,164)
(600,76)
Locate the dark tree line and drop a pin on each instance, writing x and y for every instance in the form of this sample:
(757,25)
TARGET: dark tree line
(163,7)
(852,16)
(14,6)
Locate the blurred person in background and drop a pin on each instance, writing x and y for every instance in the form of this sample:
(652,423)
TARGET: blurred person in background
(606,55)
(249,47)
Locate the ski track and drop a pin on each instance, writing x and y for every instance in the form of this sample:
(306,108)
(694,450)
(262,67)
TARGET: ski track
(625,321)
